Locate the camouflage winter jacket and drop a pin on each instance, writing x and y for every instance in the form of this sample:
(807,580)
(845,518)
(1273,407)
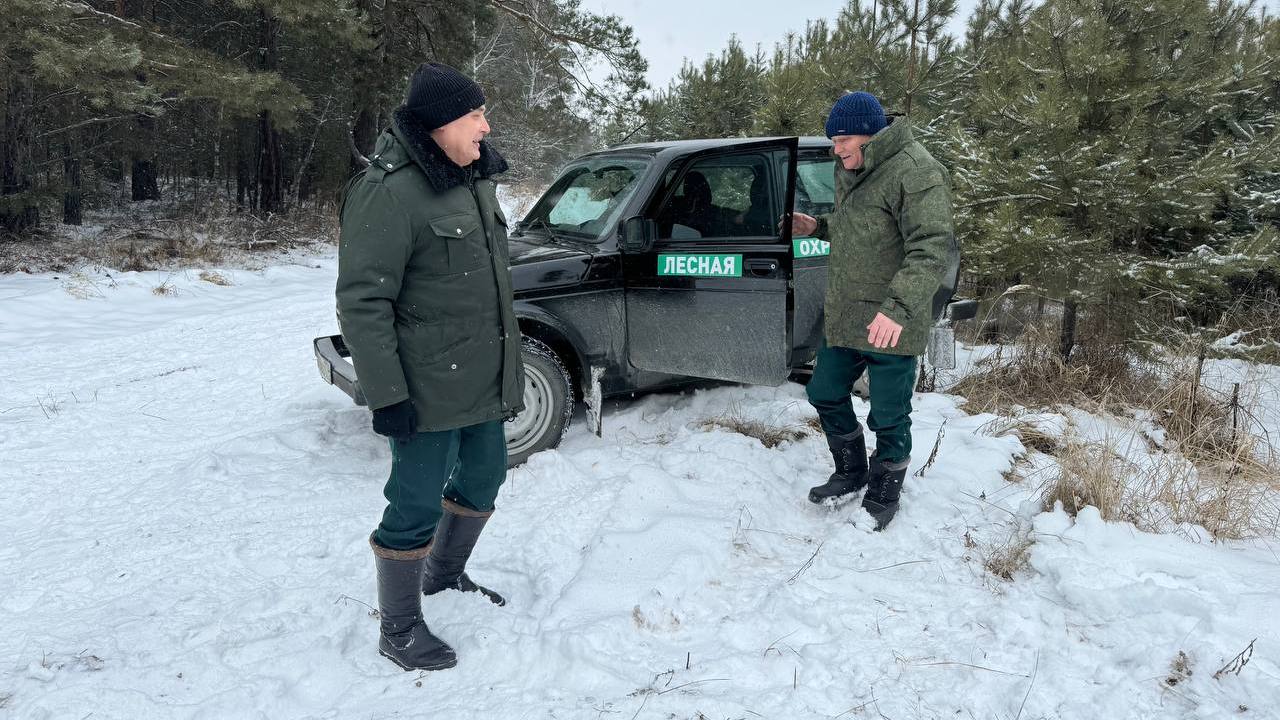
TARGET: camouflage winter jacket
(891,241)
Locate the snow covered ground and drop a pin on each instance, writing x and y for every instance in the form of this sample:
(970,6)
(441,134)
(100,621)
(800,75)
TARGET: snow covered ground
(186,505)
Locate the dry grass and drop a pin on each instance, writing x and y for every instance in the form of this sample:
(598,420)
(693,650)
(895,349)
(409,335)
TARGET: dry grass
(1212,468)
(1255,324)
(1205,425)
(189,236)
(164,289)
(1232,498)
(1006,559)
(1179,670)
(1033,436)
(770,435)
(217,278)
(1032,373)
(1087,474)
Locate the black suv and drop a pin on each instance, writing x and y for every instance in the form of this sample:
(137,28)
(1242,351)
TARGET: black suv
(654,265)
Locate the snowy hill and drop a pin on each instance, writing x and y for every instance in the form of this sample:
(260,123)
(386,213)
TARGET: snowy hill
(186,506)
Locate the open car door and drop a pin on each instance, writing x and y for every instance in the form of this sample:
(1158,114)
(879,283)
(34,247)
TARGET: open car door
(712,298)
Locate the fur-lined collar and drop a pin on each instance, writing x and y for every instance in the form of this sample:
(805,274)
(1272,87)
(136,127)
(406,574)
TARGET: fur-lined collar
(441,172)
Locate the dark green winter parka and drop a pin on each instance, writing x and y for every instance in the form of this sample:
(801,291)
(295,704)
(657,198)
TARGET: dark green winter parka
(892,242)
(424,290)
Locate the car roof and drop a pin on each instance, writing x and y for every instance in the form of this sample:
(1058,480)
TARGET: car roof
(684,147)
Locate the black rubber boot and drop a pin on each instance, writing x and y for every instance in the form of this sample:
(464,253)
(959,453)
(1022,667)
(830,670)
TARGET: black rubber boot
(850,455)
(884,489)
(450,548)
(405,638)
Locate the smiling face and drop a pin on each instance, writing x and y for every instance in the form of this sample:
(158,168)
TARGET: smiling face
(461,138)
(849,149)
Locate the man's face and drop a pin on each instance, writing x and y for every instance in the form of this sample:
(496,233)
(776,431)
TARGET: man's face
(849,149)
(461,138)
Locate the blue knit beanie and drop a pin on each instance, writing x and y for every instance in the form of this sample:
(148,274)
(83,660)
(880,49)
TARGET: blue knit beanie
(857,113)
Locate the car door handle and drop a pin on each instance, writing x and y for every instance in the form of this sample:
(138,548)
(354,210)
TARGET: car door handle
(762,267)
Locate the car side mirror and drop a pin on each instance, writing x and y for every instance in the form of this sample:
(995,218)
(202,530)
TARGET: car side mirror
(638,235)
(962,310)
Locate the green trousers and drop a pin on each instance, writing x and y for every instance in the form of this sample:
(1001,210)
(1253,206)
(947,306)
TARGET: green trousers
(892,379)
(466,465)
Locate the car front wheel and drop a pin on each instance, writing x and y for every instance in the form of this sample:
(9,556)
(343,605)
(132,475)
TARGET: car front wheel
(548,403)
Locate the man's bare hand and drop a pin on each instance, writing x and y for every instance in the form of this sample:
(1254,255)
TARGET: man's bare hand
(801,224)
(883,332)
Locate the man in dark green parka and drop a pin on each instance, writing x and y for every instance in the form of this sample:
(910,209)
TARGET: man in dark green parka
(425,304)
(892,242)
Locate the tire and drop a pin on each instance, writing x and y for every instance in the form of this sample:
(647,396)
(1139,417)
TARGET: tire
(862,388)
(548,403)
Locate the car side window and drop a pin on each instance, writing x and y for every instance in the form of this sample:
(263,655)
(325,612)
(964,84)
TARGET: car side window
(720,197)
(815,183)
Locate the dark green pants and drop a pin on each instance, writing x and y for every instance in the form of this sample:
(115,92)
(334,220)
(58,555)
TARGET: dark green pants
(892,379)
(466,465)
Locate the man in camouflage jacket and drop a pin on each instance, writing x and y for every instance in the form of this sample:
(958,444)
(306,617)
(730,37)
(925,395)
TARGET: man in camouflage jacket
(891,243)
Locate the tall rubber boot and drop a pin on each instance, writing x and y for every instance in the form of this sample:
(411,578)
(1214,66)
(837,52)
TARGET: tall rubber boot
(404,637)
(450,548)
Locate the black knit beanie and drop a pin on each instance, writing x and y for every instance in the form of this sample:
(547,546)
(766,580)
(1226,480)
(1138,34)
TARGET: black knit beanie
(438,95)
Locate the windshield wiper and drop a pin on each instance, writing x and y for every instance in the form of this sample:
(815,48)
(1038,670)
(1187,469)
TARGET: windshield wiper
(538,221)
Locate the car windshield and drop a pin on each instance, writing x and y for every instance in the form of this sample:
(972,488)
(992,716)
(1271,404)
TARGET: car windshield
(584,202)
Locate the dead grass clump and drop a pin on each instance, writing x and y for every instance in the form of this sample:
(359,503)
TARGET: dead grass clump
(1032,436)
(1088,474)
(1211,466)
(1231,499)
(217,278)
(1179,670)
(769,435)
(1207,426)
(156,247)
(1005,560)
(1250,329)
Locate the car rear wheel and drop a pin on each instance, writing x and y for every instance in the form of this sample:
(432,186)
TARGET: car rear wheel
(548,403)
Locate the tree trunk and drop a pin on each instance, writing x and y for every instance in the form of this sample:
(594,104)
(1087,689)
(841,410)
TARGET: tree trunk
(270,167)
(369,72)
(243,196)
(270,162)
(18,208)
(911,67)
(1067,340)
(144,184)
(71,193)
